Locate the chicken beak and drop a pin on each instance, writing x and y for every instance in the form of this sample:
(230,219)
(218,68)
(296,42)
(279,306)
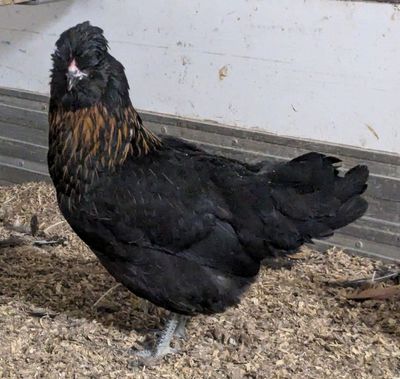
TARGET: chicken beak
(71,81)
(74,75)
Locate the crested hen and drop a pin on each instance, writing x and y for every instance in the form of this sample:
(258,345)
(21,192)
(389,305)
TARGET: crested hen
(182,228)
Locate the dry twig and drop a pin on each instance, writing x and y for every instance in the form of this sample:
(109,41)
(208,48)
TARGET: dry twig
(105,294)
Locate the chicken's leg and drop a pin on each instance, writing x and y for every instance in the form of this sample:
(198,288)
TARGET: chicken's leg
(180,328)
(175,324)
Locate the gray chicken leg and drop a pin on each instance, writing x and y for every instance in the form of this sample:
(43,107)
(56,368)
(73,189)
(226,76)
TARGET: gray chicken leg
(175,326)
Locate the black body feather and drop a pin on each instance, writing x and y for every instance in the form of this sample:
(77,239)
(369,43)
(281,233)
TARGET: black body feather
(182,228)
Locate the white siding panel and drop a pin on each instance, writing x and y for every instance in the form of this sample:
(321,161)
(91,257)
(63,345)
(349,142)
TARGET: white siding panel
(320,69)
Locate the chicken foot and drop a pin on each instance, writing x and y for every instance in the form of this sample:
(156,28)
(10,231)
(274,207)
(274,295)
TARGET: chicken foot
(175,326)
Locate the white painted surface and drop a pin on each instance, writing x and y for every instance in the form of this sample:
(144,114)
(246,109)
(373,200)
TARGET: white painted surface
(320,69)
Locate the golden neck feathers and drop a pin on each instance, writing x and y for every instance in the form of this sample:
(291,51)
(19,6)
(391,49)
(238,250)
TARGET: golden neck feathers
(86,142)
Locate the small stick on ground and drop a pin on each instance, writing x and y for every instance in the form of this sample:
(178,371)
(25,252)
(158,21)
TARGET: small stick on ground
(45,231)
(8,200)
(105,294)
(382,293)
(24,240)
(13,242)
(376,277)
(55,242)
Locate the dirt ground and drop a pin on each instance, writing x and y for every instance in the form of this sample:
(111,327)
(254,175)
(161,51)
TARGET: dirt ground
(292,323)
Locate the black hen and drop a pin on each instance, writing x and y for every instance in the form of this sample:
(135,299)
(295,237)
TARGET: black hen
(182,228)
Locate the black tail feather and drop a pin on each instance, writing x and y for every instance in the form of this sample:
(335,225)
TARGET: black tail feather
(354,182)
(349,212)
(320,201)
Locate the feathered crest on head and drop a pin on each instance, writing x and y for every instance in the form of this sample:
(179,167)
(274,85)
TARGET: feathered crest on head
(80,40)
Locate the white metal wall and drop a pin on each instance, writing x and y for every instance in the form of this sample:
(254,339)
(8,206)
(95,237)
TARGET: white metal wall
(321,69)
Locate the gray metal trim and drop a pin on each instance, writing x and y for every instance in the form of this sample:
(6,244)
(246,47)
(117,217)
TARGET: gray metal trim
(254,136)
(23,133)
(23,116)
(15,175)
(25,95)
(23,146)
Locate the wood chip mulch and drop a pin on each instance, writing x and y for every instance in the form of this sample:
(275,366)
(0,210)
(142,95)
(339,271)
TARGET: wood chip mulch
(294,323)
